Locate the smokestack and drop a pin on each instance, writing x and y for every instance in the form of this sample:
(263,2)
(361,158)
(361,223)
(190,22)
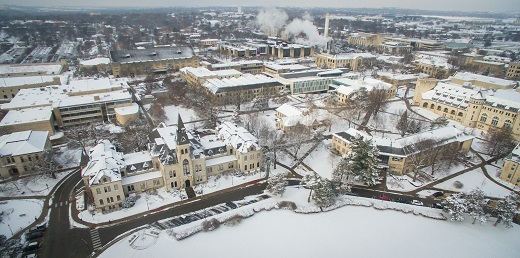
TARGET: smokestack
(326,32)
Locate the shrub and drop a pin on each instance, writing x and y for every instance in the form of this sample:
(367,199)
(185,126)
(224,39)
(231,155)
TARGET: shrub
(287,205)
(210,225)
(234,220)
(458,184)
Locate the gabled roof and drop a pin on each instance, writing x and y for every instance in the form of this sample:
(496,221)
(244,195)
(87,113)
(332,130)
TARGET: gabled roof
(21,143)
(105,162)
(237,137)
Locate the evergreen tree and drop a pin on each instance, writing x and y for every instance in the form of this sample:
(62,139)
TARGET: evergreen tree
(276,184)
(506,209)
(236,117)
(475,204)
(310,181)
(341,178)
(364,161)
(455,205)
(323,193)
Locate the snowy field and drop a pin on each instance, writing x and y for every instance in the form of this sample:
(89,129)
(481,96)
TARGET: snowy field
(472,180)
(173,111)
(350,231)
(322,160)
(18,214)
(31,186)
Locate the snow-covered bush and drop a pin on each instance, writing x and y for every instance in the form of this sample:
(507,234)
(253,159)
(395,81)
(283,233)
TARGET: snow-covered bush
(234,220)
(458,184)
(287,205)
(130,201)
(210,225)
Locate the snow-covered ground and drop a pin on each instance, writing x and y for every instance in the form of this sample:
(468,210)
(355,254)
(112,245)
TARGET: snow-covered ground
(405,183)
(322,160)
(31,186)
(16,215)
(472,180)
(173,111)
(350,231)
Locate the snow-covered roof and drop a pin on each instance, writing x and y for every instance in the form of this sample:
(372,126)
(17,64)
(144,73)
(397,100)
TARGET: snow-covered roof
(21,143)
(471,77)
(199,72)
(349,86)
(76,93)
(128,110)
(246,80)
(237,137)
(350,56)
(27,115)
(169,136)
(95,61)
(399,76)
(26,80)
(137,157)
(515,154)
(294,120)
(211,141)
(105,162)
(141,178)
(289,110)
(48,69)
(220,160)
(405,146)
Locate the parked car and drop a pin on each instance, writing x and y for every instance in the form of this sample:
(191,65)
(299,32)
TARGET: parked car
(400,200)
(34,235)
(438,194)
(32,246)
(437,206)
(352,193)
(416,202)
(384,198)
(41,228)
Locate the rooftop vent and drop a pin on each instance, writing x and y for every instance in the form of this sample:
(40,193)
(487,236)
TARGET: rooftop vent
(153,54)
(126,55)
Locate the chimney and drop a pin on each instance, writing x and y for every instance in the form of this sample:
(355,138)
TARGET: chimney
(326,31)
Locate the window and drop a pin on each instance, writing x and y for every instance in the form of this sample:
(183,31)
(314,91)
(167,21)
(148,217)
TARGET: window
(143,185)
(483,118)
(245,158)
(131,188)
(116,188)
(118,198)
(100,201)
(230,165)
(258,164)
(98,191)
(425,105)
(29,158)
(21,159)
(507,123)
(36,156)
(220,167)
(156,182)
(513,167)
(185,167)
(460,114)
(111,199)
(446,110)
(171,174)
(8,160)
(439,108)
(495,121)
(106,190)
(108,200)
(452,112)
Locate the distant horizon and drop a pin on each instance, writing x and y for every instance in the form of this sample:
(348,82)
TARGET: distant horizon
(499,6)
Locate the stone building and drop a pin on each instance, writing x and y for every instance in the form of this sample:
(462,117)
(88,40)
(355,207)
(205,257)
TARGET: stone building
(20,150)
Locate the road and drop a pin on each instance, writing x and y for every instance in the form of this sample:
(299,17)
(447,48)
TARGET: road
(60,240)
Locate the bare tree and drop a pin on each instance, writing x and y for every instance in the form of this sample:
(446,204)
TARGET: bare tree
(157,111)
(47,163)
(499,141)
(272,141)
(136,135)
(418,155)
(297,136)
(376,100)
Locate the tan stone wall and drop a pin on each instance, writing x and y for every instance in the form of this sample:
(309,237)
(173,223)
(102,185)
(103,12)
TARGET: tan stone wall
(36,126)
(510,172)
(108,192)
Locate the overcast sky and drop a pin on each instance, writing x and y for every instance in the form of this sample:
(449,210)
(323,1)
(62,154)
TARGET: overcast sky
(451,5)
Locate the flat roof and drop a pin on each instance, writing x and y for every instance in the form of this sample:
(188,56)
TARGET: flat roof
(27,115)
(26,80)
(52,68)
(153,54)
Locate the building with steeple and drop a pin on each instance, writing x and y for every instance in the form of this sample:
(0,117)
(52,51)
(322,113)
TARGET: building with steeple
(176,159)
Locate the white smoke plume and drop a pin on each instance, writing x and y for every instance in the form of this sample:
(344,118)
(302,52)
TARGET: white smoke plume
(305,32)
(271,20)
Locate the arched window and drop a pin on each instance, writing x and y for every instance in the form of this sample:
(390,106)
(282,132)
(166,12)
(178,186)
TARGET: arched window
(439,108)
(460,114)
(483,118)
(118,198)
(432,106)
(495,121)
(185,167)
(507,123)
(446,110)
(452,112)
(101,201)
(425,105)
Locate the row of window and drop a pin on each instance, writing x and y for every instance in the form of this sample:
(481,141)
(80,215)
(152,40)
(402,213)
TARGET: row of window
(495,120)
(22,159)
(110,200)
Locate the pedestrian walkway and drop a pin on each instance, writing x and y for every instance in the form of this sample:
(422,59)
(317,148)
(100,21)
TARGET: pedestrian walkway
(96,241)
